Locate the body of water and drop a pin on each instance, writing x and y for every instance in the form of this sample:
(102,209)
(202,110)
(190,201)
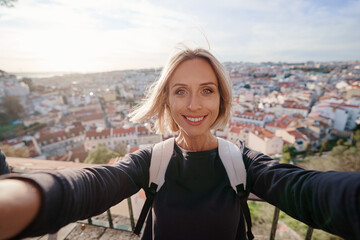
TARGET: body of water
(39,74)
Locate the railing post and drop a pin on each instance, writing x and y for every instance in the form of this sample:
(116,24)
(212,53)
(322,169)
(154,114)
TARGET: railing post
(274,223)
(111,225)
(132,221)
(309,233)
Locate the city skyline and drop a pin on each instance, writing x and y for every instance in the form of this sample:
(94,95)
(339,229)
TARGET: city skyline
(89,36)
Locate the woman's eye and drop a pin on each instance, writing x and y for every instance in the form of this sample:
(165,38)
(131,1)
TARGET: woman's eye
(208,91)
(180,92)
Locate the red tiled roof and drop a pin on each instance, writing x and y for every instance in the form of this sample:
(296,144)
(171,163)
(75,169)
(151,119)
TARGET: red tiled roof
(96,116)
(255,116)
(78,153)
(307,134)
(133,149)
(240,125)
(124,130)
(68,119)
(287,84)
(282,122)
(36,118)
(93,133)
(293,105)
(235,130)
(143,129)
(60,135)
(263,133)
(344,105)
(297,134)
(88,111)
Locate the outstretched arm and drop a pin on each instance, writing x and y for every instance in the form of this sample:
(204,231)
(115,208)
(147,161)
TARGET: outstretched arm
(325,200)
(19,205)
(69,195)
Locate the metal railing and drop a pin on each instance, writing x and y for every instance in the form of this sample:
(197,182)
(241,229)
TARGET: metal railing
(132,220)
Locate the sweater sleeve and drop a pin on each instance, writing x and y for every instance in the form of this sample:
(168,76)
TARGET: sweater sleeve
(325,200)
(4,168)
(69,195)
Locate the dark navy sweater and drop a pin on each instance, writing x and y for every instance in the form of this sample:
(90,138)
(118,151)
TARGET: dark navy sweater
(196,200)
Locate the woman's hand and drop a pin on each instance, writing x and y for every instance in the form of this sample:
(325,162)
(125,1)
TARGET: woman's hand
(19,204)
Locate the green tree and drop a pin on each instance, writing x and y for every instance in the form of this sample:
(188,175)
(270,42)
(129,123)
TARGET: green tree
(101,155)
(247,86)
(307,150)
(29,82)
(324,146)
(121,149)
(288,153)
(341,158)
(337,151)
(340,142)
(356,137)
(12,106)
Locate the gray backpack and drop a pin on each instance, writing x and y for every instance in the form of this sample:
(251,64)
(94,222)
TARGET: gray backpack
(231,157)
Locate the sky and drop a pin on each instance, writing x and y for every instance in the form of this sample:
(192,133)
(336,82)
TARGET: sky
(107,35)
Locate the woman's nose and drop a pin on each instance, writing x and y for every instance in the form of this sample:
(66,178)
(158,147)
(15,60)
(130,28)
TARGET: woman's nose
(194,102)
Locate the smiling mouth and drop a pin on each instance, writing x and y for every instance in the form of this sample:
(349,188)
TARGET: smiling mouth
(194,119)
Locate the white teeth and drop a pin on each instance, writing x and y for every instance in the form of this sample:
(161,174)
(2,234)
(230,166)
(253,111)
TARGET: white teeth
(194,119)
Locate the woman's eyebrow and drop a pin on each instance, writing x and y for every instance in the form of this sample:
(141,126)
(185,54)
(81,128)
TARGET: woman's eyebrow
(178,85)
(184,85)
(208,83)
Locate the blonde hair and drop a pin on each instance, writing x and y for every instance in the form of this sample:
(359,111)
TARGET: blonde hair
(154,103)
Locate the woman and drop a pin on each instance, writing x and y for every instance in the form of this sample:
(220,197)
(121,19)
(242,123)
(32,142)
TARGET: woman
(192,96)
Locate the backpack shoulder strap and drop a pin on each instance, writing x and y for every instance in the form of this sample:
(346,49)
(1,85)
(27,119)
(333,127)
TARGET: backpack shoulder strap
(160,159)
(231,157)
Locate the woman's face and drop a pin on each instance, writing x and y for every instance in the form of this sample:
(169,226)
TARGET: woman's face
(194,97)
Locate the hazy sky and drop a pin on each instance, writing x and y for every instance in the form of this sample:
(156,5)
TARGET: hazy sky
(93,35)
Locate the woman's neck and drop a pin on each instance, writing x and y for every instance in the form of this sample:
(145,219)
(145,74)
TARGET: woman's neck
(198,143)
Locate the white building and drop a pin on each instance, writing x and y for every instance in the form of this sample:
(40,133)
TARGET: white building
(292,107)
(256,119)
(114,137)
(344,116)
(19,89)
(265,141)
(283,122)
(294,137)
(60,142)
(239,132)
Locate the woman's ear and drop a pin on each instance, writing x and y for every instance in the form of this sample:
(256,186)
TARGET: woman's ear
(167,101)
(167,108)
